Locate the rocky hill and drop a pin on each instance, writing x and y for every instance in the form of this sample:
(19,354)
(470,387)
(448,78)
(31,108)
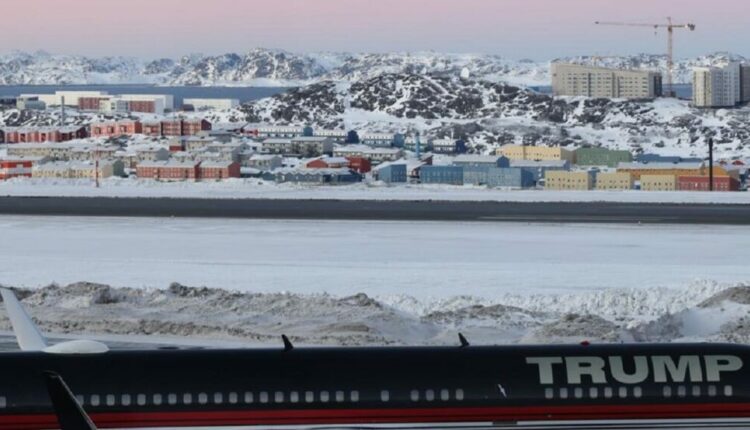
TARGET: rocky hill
(266,67)
(488,114)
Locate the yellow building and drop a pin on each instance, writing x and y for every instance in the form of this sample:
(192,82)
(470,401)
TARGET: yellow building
(614,181)
(658,182)
(563,180)
(673,169)
(536,153)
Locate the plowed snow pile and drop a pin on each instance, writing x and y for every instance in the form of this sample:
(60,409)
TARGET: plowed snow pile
(697,312)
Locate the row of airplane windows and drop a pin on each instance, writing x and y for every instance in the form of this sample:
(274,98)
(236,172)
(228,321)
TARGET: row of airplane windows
(263,397)
(636,392)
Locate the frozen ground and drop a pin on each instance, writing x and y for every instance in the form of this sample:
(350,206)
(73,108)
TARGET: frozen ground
(253,188)
(380,282)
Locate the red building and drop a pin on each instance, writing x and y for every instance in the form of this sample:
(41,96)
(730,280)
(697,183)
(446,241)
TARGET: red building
(360,164)
(15,167)
(91,103)
(151,128)
(43,134)
(119,128)
(328,163)
(192,127)
(144,106)
(169,170)
(219,170)
(171,127)
(701,183)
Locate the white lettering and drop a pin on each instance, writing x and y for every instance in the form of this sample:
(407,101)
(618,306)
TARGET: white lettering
(546,375)
(677,372)
(715,364)
(639,375)
(590,366)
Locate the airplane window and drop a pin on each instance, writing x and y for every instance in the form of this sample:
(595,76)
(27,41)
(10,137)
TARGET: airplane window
(187,398)
(681,391)
(608,392)
(637,392)
(563,393)
(667,391)
(445,395)
(3,402)
(593,392)
(696,391)
(80,399)
(623,392)
(278,397)
(712,390)
(549,393)
(354,395)
(263,397)
(202,398)
(429,395)
(578,393)
(95,401)
(172,399)
(125,398)
(294,397)
(309,397)
(414,395)
(728,391)
(339,396)
(233,398)
(110,399)
(141,399)
(218,398)
(324,397)
(157,399)
(459,394)
(385,396)
(248,397)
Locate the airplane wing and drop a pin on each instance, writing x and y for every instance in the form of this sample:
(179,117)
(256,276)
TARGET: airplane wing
(28,336)
(70,414)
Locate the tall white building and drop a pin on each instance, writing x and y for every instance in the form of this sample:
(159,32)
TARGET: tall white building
(579,80)
(717,86)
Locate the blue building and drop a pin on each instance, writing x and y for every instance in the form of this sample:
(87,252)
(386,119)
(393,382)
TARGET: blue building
(504,177)
(392,173)
(452,175)
(539,168)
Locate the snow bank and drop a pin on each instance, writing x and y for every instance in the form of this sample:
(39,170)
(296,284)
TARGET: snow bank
(258,189)
(216,316)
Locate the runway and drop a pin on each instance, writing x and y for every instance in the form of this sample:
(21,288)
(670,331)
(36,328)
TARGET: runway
(596,212)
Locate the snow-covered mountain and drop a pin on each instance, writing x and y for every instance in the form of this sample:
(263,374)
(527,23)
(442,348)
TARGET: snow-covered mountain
(279,68)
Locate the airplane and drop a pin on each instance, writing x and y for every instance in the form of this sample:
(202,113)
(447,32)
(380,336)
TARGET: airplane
(466,386)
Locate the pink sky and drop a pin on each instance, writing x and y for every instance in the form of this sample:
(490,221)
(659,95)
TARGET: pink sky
(538,29)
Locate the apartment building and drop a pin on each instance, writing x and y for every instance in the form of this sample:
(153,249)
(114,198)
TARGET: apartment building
(536,153)
(717,86)
(745,83)
(658,182)
(116,128)
(580,80)
(211,104)
(614,181)
(562,180)
(661,169)
(18,167)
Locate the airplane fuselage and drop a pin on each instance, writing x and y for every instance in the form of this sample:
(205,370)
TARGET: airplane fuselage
(331,386)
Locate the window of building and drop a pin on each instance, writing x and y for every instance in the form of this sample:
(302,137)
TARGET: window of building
(728,391)
(354,396)
(445,395)
(80,399)
(309,397)
(233,398)
(157,399)
(623,392)
(637,392)
(294,397)
(429,395)
(172,399)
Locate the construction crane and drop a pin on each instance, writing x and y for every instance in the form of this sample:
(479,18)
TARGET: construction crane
(670,26)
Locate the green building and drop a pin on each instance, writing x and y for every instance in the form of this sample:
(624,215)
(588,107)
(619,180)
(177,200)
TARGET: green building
(602,157)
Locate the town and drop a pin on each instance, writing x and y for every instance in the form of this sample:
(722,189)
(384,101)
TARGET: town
(146,137)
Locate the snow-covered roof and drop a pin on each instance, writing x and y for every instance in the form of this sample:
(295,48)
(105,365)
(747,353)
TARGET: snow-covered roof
(659,166)
(264,157)
(475,158)
(169,163)
(217,164)
(278,140)
(539,163)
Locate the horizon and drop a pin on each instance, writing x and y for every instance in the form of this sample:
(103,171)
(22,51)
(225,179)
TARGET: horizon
(514,29)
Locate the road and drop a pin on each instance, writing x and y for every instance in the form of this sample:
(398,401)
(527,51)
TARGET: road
(626,213)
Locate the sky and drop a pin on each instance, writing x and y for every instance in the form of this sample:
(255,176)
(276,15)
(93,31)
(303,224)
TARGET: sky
(535,29)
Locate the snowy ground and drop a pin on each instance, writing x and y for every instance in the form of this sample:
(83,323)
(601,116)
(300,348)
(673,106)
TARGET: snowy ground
(380,282)
(253,188)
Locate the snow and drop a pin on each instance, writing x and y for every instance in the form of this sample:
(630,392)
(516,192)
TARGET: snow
(377,283)
(258,189)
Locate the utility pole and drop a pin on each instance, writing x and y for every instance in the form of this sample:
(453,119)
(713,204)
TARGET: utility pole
(710,163)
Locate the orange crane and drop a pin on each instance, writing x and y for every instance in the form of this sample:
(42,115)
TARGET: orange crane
(670,26)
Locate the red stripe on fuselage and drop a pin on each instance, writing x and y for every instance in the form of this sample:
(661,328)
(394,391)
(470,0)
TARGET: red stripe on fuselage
(389,416)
